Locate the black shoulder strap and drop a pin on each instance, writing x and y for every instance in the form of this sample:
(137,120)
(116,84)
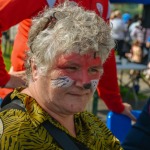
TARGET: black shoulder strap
(61,137)
(7,103)
(14,104)
(6,100)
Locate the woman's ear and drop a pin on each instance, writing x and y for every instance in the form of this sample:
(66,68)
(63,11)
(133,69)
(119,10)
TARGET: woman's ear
(34,70)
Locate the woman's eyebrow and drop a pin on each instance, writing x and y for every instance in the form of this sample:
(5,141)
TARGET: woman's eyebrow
(69,63)
(99,67)
(72,63)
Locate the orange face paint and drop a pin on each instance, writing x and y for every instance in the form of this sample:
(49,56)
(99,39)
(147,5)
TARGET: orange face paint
(78,69)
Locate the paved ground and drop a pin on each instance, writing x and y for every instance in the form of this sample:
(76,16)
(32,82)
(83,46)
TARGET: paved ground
(103,110)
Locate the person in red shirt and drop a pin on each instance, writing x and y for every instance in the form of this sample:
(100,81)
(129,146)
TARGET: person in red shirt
(15,11)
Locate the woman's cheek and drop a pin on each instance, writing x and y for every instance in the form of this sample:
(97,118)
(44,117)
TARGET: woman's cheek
(94,84)
(63,81)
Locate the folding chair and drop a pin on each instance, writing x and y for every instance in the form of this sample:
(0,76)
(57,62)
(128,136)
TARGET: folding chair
(120,124)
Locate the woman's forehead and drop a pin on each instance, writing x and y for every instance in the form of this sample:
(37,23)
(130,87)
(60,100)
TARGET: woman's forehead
(75,57)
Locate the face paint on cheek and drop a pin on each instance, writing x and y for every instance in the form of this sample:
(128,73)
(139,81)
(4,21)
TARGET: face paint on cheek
(64,82)
(94,84)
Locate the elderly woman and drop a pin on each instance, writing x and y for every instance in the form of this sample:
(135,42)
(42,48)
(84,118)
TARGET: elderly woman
(68,47)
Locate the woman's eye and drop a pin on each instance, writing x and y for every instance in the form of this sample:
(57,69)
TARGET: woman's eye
(95,70)
(71,68)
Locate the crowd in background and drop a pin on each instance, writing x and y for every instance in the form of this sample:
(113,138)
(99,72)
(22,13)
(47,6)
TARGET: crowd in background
(132,39)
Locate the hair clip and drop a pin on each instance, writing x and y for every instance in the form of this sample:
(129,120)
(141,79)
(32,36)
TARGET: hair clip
(51,21)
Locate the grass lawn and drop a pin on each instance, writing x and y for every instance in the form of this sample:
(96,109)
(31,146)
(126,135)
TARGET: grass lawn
(7,48)
(7,61)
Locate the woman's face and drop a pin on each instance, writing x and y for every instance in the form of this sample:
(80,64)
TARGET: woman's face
(70,84)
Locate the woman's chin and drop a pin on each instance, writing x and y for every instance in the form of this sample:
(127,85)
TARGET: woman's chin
(77,109)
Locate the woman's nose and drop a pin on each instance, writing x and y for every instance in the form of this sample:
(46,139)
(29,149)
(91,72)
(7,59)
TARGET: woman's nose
(87,85)
(84,76)
(84,80)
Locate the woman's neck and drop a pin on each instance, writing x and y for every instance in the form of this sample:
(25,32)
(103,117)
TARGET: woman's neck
(65,120)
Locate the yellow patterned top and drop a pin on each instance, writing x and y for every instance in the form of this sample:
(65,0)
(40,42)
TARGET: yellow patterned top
(22,130)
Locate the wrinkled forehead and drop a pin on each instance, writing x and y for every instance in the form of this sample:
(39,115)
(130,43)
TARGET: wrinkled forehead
(91,58)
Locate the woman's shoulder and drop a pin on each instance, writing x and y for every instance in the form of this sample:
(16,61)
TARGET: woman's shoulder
(10,121)
(12,116)
(91,126)
(90,118)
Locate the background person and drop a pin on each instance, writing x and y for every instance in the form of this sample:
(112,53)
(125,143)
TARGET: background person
(17,7)
(64,65)
(139,136)
(108,88)
(118,32)
(136,53)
